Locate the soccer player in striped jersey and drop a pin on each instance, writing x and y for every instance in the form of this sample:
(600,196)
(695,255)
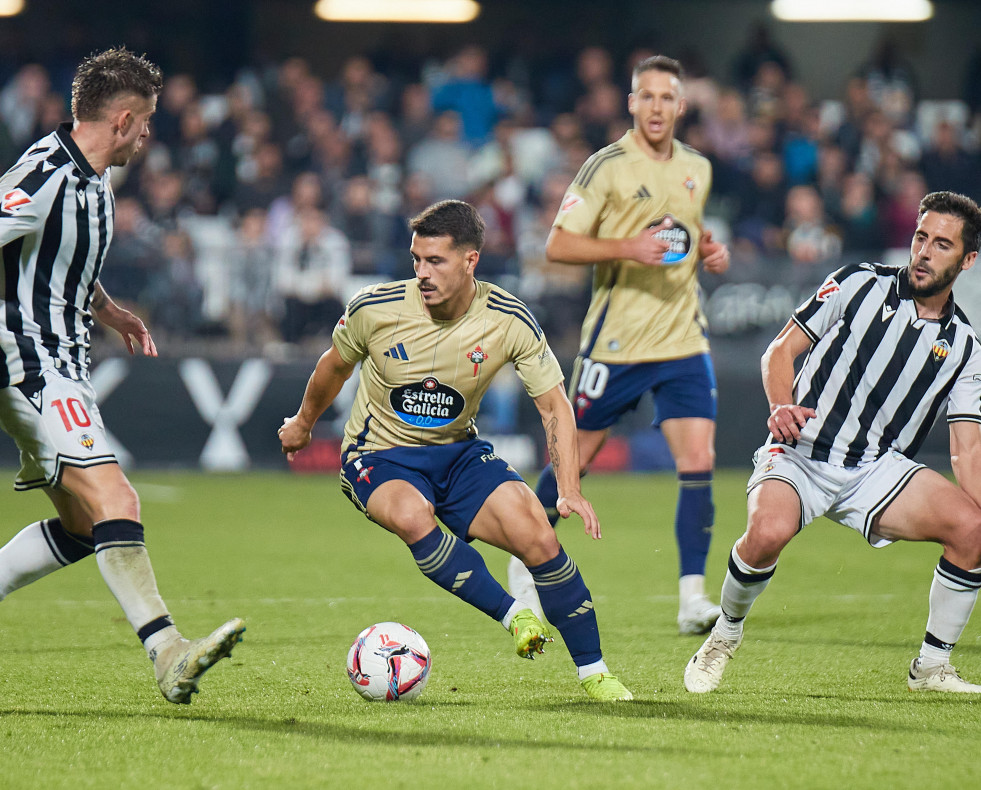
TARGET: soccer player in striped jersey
(886,349)
(428,350)
(635,211)
(56,216)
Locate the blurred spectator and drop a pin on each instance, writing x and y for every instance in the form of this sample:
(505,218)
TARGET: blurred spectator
(947,165)
(307,192)
(759,50)
(174,294)
(134,257)
(313,269)
(416,115)
(598,110)
(858,217)
(468,93)
(728,130)
(858,105)
(267,183)
(20,102)
(197,156)
(371,232)
(251,293)
(179,93)
(892,85)
(443,157)
(761,206)
(809,239)
(901,208)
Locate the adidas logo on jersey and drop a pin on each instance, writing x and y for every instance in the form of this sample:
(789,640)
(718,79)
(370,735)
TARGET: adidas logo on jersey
(397,352)
(642,193)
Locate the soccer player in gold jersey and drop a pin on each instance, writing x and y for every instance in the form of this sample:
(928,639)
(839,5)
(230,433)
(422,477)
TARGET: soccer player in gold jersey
(428,349)
(635,212)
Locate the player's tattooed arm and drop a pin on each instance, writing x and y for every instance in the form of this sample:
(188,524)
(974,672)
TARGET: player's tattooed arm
(563,450)
(129,326)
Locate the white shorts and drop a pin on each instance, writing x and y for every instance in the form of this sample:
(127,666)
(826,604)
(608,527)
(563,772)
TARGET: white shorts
(55,423)
(852,496)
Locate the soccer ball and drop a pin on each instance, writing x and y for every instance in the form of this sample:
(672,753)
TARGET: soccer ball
(389,661)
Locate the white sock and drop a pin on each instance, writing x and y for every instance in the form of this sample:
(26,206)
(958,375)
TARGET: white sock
(516,607)
(952,599)
(691,586)
(37,550)
(591,669)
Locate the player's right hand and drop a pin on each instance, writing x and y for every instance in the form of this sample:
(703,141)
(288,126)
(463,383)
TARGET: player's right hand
(646,247)
(293,436)
(786,420)
(577,503)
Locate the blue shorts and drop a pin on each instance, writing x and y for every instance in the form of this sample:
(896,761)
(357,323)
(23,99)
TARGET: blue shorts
(601,393)
(456,478)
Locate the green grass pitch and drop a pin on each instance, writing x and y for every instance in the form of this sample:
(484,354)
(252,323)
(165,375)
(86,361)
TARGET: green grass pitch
(816,697)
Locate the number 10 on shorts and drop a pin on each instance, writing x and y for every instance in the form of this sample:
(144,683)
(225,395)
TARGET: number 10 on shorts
(73,413)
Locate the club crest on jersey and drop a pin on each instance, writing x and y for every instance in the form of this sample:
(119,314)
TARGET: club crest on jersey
(569,202)
(941,348)
(677,237)
(477,356)
(14,200)
(829,288)
(427,403)
(86,441)
(690,186)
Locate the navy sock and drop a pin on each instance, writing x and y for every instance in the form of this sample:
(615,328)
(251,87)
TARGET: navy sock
(547,491)
(568,605)
(693,521)
(458,568)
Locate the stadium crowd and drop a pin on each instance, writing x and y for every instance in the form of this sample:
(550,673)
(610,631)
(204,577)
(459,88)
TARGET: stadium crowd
(256,211)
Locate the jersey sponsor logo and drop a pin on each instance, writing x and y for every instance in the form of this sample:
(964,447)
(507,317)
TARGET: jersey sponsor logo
(80,196)
(941,348)
(15,200)
(477,356)
(569,202)
(829,288)
(677,237)
(427,403)
(397,352)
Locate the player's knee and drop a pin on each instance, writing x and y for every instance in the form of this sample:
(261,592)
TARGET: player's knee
(765,538)
(533,547)
(968,539)
(695,461)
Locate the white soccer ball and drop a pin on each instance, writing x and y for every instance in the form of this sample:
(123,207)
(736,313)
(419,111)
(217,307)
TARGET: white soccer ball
(389,661)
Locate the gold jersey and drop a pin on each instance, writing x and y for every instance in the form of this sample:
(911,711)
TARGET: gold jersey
(641,313)
(422,380)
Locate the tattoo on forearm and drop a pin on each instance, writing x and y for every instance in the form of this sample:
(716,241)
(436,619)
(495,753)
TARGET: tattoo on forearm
(552,442)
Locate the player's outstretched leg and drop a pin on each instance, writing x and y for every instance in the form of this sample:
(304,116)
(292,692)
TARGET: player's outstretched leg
(458,568)
(569,607)
(180,663)
(952,597)
(37,550)
(742,586)
(125,566)
(694,518)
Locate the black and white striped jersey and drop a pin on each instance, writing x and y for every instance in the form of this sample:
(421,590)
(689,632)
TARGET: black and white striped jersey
(877,375)
(55,227)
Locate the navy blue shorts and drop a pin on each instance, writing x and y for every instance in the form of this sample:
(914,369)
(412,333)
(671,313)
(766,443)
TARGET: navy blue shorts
(456,478)
(601,393)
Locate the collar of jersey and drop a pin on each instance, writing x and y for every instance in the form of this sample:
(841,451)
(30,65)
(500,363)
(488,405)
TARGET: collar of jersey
(64,134)
(904,292)
(422,305)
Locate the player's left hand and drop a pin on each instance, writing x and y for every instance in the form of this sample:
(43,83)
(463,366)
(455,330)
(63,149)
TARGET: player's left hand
(293,436)
(714,254)
(577,503)
(131,328)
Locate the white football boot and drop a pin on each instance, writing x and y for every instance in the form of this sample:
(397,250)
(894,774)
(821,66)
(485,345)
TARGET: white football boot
(180,663)
(704,671)
(938,678)
(696,613)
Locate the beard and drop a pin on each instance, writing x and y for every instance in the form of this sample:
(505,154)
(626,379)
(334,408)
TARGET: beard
(941,281)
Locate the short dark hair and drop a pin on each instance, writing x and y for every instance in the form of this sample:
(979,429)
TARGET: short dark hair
(957,206)
(104,75)
(454,218)
(659,63)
